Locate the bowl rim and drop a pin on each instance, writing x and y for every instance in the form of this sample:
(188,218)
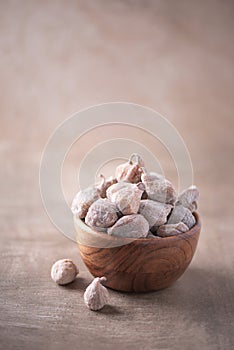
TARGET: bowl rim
(127,240)
(190,232)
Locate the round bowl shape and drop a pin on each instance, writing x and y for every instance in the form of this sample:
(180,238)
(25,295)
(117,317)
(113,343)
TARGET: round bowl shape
(143,265)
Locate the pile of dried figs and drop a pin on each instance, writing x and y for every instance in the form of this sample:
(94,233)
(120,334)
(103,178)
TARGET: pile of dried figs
(136,204)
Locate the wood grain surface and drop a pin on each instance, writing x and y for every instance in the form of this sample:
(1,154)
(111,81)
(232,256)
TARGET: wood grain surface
(58,57)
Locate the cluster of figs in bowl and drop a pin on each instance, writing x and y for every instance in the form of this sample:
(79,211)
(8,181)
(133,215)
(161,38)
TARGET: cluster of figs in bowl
(135,229)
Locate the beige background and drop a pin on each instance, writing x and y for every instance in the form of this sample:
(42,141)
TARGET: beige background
(58,57)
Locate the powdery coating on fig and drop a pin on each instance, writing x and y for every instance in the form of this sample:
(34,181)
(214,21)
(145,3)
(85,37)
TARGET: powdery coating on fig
(127,199)
(113,189)
(172,229)
(188,198)
(131,170)
(153,174)
(180,213)
(189,219)
(130,226)
(154,212)
(150,176)
(83,200)
(158,188)
(105,184)
(101,214)
(64,271)
(177,214)
(96,295)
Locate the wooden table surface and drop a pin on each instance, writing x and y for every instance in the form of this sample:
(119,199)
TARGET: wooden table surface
(58,57)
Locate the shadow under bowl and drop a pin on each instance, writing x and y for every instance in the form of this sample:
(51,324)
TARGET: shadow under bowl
(137,265)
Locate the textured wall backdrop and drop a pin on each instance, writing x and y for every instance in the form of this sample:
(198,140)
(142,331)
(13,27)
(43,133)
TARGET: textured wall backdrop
(57,57)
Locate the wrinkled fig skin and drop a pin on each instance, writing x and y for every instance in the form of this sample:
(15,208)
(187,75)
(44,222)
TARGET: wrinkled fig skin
(131,170)
(128,172)
(189,219)
(128,202)
(105,184)
(188,198)
(83,200)
(154,212)
(130,226)
(113,189)
(158,188)
(172,229)
(64,271)
(101,215)
(177,214)
(127,198)
(96,295)
(180,213)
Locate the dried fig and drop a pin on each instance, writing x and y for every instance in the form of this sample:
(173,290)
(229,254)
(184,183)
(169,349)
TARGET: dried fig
(101,215)
(158,188)
(96,296)
(172,229)
(126,198)
(188,198)
(83,200)
(154,212)
(131,170)
(131,226)
(105,184)
(180,213)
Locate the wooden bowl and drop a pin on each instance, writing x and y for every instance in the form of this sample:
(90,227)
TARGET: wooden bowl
(141,265)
